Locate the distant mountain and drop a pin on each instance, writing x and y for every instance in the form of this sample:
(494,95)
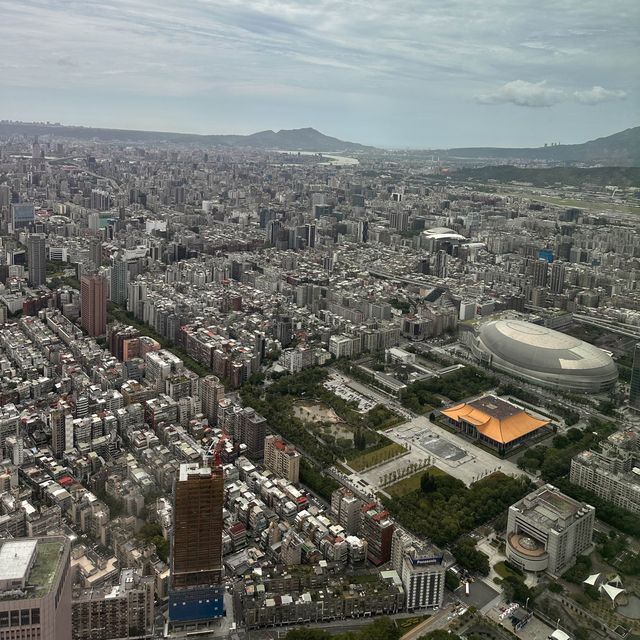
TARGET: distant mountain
(307,139)
(619,149)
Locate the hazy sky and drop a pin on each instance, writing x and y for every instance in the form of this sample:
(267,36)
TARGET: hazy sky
(428,73)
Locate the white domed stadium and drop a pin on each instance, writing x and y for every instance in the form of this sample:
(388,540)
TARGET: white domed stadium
(442,233)
(544,356)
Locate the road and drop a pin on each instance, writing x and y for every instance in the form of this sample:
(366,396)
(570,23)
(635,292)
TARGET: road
(437,621)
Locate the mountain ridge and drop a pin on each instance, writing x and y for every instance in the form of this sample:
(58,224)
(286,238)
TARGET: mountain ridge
(619,149)
(303,139)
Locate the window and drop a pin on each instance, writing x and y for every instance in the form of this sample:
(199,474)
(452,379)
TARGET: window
(15,618)
(24,617)
(4,618)
(35,616)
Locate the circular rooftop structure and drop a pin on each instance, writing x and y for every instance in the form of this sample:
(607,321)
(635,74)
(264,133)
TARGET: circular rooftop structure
(544,356)
(526,552)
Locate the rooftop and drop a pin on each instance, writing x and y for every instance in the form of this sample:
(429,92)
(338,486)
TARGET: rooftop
(495,419)
(15,559)
(43,570)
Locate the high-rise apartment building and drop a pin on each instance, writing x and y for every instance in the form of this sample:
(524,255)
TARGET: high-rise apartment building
(377,529)
(610,473)
(558,274)
(634,386)
(37,258)
(61,424)
(250,430)
(212,391)
(196,592)
(540,273)
(347,509)
(284,330)
(93,304)
(9,421)
(281,458)
(35,589)
(95,251)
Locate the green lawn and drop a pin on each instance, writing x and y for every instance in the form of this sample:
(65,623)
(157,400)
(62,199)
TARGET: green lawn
(503,571)
(376,457)
(412,483)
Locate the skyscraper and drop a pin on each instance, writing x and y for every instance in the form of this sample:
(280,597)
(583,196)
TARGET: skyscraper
(284,330)
(310,235)
(37,257)
(119,280)
(634,387)
(441,265)
(557,277)
(22,215)
(93,302)
(540,272)
(196,592)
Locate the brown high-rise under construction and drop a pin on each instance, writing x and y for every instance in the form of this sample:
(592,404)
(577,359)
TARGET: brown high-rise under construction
(93,302)
(196,557)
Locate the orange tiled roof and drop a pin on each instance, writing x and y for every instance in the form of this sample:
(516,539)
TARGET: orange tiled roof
(500,430)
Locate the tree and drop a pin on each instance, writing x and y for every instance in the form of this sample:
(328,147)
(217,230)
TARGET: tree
(515,589)
(592,592)
(380,629)
(427,483)
(470,558)
(451,581)
(582,633)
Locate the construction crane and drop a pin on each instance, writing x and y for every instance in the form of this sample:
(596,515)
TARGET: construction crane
(214,451)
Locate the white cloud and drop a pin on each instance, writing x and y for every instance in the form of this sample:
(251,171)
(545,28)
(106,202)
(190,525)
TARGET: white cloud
(596,95)
(523,94)
(539,94)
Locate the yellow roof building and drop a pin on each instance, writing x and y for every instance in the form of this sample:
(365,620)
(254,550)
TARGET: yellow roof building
(495,419)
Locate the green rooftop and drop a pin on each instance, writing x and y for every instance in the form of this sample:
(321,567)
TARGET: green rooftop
(44,568)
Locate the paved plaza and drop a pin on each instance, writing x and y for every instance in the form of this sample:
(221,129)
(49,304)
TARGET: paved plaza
(449,452)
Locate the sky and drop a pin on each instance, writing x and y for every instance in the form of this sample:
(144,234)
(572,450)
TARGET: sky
(392,73)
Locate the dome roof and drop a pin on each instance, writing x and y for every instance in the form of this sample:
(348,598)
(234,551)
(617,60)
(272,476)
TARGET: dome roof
(438,230)
(546,356)
(443,233)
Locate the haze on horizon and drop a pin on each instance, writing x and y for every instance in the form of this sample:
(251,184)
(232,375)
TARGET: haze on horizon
(394,73)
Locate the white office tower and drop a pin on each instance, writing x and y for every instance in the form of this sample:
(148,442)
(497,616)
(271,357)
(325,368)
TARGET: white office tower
(547,530)
(421,569)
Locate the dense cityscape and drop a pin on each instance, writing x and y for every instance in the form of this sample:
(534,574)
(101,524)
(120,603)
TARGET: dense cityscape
(257,393)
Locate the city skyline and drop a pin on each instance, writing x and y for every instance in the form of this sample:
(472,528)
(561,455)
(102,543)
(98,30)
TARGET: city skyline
(391,75)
